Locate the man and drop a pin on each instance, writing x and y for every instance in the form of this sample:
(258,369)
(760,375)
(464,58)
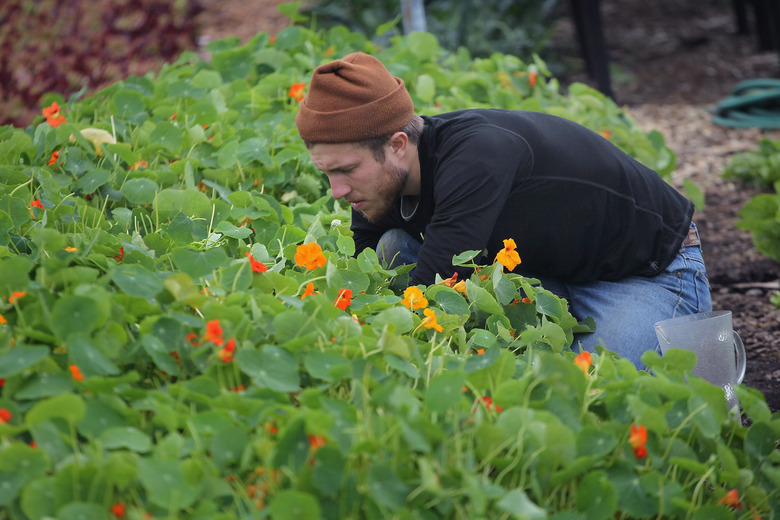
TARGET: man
(594,225)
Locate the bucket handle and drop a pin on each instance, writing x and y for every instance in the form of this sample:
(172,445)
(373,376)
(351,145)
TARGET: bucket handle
(741,357)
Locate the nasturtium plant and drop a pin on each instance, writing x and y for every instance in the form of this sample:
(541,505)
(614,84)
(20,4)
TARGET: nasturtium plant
(185,330)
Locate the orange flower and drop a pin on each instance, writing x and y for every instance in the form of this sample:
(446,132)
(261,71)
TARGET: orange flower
(310,255)
(508,257)
(5,416)
(480,351)
(532,79)
(3,321)
(76,373)
(460,287)
(429,322)
(36,204)
(316,442)
(584,361)
(71,249)
(121,255)
(296,91)
(449,282)
(227,353)
(731,499)
(637,440)
(16,295)
(139,164)
(258,267)
(490,405)
(414,299)
(606,134)
(213,332)
(329,51)
(343,299)
(55,156)
(308,291)
(192,339)
(53,115)
(118,510)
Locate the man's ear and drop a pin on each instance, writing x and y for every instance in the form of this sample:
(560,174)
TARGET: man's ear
(399,142)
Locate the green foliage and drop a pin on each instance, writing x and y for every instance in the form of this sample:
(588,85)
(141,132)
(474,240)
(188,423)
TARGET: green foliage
(149,366)
(759,168)
(481,26)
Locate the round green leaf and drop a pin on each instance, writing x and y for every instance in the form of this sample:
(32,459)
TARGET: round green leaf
(294,505)
(167,135)
(18,358)
(445,391)
(166,485)
(91,181)
(69,407)
(136,280)
(198,263)
(74,313)
(140,191)
(126,437)
(127,103)
(272,367)
(190,202)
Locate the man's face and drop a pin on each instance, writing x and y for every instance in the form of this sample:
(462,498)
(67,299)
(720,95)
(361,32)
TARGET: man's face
(356,176)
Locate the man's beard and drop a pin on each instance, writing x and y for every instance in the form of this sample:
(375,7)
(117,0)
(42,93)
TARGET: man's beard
(389,193)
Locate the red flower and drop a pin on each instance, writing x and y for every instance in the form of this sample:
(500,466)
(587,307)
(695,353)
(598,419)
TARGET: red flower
(5,416)
(490,405)
(316,442)
(2,382)
(36,204)
(55,156)
(76,373)
(258,267)
(296,91)
(192,339)
(53,115)
(118,510)
(227,353)
(121,256)
(637,440)
(214,332)
(532,79)
(344,299)
(731,499)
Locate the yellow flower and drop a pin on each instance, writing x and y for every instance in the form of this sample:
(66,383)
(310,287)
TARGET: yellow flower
(460,287)
(429,322)
(414,299)
(508,257)
(70,249)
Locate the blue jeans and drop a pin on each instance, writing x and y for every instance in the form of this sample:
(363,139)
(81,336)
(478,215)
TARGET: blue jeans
(625,310)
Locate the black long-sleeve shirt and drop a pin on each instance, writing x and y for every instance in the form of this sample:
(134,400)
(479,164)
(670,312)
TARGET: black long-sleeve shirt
(578,208)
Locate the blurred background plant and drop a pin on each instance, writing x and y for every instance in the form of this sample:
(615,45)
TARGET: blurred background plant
(481,26)
(75,46)
(67,46)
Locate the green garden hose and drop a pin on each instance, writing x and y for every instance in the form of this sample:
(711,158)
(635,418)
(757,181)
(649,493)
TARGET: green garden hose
(753,103)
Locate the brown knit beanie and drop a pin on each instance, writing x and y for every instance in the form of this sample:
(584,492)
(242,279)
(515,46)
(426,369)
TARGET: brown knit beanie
(353,99)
